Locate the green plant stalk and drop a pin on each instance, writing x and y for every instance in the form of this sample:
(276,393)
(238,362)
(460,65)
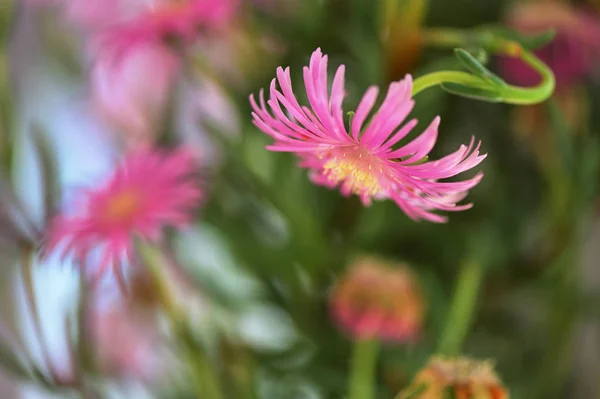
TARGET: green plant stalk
(28,285)
(362,375)
(461,312)
(562,318)
(7,119)
(206,385)
(85,355)
(437,78)
(510,94)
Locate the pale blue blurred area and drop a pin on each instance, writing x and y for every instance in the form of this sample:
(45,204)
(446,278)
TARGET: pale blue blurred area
(83,153)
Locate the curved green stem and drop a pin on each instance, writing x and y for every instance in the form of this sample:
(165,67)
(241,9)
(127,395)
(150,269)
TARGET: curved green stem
(437,78)
(362,375)
(507,93)
(461,311)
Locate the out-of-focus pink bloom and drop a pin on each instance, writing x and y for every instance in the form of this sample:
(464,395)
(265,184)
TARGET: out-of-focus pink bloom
(94,15)
(571,55)
(378,300)
(147,192)
(181,21)
(134,68)
(365,161)
(132,95)
(127,24)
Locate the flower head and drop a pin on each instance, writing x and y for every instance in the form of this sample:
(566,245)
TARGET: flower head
(375,299)
(462,377)
(150,190)
(366,160)
(571,55)
(163,20)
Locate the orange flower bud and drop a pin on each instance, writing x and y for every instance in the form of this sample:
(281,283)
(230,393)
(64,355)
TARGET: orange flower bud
(462,377)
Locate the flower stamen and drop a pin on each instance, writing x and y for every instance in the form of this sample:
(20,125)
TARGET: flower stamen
(354,170)
(122,206)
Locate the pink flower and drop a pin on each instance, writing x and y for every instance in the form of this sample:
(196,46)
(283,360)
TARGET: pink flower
(571,55)
(365,161)
(164,20)
(147,192)
(375,299)
(133,95)
(94,15)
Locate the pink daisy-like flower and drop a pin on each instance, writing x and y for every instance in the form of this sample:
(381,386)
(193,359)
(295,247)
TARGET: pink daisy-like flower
(150,190)
(366,161)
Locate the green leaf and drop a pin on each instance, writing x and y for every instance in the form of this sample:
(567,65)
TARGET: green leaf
(475,93)
(48,170)
(477,69)
(528,42)
(11,363)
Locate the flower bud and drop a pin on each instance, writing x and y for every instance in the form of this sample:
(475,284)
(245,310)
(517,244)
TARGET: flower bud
(460,378)
(378,300)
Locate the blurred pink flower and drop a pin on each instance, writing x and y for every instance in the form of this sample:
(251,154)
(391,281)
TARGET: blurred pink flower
(127,24)
(364,161)
(375,299)
(571,55)
(167,20)
(94,15)
(132,95)
(147,192)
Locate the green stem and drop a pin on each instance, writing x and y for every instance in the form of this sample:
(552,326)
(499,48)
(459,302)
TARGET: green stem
(462,307)
(85,355)
(153,260)
(362,378)
(28,284)
(437,78)
(209,385)
(7,119)
(206,385)
(562,321)
(509,93)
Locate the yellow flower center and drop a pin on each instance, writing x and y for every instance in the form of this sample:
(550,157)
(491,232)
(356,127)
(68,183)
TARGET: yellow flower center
(168,9)
(356,169)
(123,205)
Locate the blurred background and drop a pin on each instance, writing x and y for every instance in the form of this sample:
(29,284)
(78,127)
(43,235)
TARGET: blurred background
(257,270)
